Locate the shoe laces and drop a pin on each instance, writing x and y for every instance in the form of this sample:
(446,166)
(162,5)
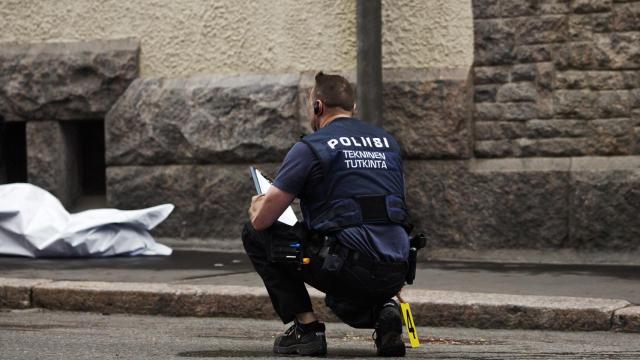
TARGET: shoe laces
(291,329)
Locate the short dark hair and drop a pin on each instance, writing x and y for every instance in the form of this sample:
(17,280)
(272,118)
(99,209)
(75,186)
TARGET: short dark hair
(334,91)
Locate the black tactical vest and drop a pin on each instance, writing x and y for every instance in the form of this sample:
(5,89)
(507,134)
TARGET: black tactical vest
(363,179)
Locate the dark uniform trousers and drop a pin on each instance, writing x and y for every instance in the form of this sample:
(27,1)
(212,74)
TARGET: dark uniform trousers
(355,294)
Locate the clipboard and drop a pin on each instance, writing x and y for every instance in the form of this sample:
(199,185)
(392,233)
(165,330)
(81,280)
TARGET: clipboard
(255,176)
(262,184)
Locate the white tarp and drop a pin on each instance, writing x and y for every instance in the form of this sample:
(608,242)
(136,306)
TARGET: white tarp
(34,223)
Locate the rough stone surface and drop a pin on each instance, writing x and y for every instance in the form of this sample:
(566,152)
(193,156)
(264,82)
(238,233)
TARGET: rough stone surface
(612,137)
(585,203)
(65,81)
(579,104)
(605,209)
(16,293)
(491,74)
(496,148)
(597,80)
(486,9)
(53,158)
(204,120)
(626,17)
(560,60)
(211,200)
(429,112)
(553,147)
(582,27)
(209,120)
(499,130)
(557,128)
(523,72)
(485,93)
(457,207)
(505,111)
(588,6)
(450,308)
(635,99)
(533,53)
(494,43)
(627,319)
(432,308)
(539,29)
(154,298)
(520,91)
(468,204)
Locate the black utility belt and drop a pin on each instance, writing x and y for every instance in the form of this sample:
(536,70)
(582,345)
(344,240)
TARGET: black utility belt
(339,255)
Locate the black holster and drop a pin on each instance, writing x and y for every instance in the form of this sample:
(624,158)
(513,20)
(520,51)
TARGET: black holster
(416,243)
(334,255)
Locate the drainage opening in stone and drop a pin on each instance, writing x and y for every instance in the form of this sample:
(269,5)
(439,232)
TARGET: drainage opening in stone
(91,164)
(13,152)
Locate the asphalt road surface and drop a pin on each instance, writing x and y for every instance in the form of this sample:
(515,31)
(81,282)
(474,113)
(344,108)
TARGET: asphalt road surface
(38,334)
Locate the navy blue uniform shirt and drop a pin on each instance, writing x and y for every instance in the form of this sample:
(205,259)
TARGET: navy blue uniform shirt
(301,171)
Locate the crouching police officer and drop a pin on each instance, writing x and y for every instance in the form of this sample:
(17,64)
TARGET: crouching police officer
(348,175)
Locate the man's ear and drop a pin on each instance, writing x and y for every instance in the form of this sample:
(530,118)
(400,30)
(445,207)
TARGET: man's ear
(318,108)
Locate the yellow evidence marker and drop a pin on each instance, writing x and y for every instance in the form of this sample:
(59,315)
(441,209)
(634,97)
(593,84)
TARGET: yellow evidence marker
(411,326)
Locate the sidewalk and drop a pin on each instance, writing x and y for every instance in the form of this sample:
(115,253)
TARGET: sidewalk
(198,283)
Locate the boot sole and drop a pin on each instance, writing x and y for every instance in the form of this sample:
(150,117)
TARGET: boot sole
(394,346)
(312,349)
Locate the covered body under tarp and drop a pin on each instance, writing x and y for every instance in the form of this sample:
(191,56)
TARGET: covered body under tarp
(34,223)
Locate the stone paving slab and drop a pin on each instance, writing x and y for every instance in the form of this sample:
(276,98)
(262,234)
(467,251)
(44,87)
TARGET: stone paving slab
(627,319)
(430,307)
(16,293)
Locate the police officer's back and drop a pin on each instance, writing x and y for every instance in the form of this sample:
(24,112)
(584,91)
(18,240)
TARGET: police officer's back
(348,175)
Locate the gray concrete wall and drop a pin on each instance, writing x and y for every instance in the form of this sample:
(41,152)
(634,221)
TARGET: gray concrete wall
(187,37)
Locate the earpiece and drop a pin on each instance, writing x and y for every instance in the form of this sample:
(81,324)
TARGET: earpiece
(316,107)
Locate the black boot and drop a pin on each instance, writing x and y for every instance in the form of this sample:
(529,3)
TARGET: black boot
(388,334)
(302,339)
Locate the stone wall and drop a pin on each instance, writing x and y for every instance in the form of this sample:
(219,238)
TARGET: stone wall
(556,77)
(53,158)
(65,80)
(51,87)
(534,147)
(579,203)
(190,141)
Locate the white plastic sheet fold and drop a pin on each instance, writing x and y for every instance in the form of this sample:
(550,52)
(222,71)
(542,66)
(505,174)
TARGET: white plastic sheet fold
(34,223)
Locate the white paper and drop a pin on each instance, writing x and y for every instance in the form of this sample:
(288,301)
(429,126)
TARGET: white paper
(34,223)
(288,216)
